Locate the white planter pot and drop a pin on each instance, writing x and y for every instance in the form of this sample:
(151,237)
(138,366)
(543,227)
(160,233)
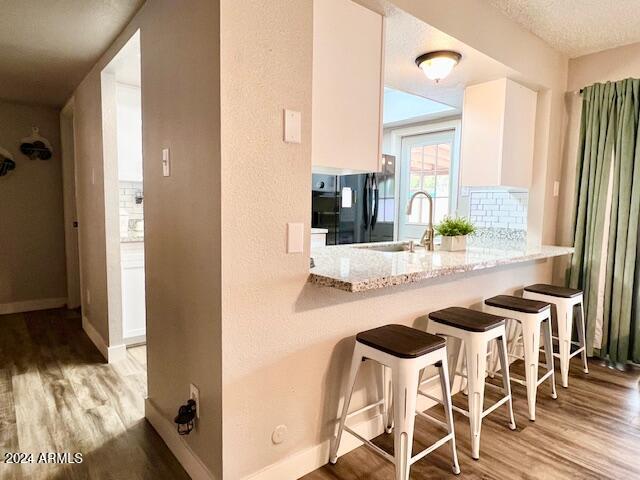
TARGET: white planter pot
(454,244)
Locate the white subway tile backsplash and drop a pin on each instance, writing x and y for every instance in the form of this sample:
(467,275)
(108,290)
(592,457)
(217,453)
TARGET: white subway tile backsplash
(130,209)
(498,209)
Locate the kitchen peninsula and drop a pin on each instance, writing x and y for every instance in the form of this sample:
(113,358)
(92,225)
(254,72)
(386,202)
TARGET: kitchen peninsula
(358,268)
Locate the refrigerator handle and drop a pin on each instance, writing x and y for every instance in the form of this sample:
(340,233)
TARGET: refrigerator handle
(366,202)
(376,198)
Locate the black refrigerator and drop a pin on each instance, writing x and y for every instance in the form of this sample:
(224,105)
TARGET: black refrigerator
(355,208)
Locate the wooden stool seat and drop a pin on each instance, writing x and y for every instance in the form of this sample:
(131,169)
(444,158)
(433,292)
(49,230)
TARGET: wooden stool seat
(518,304)
(401,341)
(467,319)
(553,290)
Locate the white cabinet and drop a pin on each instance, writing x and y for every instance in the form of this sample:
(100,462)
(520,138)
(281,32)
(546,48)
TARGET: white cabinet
(133,296)
(347,87)
(318,237)
(498,128)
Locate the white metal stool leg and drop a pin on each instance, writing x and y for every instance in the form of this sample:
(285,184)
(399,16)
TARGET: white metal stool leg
(405,393)
(387,415)
(448,413)
(506,381)
(564,324)
(548,355)
(476,354)
(356,360)
(531,340)
(582,338)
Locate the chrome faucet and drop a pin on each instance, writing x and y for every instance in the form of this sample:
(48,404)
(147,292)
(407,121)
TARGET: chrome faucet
(427,237)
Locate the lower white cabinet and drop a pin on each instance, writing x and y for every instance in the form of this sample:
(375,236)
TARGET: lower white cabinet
(133,296)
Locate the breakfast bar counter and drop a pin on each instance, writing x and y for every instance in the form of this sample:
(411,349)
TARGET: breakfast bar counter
(362,267)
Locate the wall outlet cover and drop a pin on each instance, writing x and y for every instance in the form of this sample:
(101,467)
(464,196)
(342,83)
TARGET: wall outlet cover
(194,394)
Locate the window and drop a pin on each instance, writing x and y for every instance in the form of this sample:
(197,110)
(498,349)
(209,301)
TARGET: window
(429,163)
(430,171)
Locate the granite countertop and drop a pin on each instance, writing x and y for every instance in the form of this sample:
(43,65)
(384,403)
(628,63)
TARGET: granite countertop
(357,268)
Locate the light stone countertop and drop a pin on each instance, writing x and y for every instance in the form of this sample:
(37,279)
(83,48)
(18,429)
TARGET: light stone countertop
(354,269)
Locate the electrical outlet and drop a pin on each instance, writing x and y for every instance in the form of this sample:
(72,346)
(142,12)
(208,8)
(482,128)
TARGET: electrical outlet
(194,394)
(279,434)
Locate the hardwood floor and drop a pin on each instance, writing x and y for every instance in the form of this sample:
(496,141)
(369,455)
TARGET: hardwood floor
(58,395)
(592,431)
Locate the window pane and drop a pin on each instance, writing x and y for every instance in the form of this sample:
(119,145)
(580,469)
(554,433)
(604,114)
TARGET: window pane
(430,155)
(415,182)
(429,183)
(444,156)
(415,212)
(424,218)
(441,210)
(416,159)
(442,186)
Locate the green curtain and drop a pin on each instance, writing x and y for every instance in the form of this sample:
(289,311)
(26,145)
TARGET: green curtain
(609,150)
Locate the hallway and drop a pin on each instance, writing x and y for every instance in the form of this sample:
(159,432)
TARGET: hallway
(58,395)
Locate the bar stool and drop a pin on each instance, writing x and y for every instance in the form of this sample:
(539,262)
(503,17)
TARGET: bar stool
(530,315)
(406,351)
(476,330)
(565,299)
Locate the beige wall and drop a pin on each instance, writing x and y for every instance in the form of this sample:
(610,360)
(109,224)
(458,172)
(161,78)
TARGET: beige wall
(609,65)
(180,101)
(286,343)
(32,255)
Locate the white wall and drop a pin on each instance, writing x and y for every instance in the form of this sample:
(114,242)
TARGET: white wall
(181,111)
(129,130)
(286,343)
(32,252)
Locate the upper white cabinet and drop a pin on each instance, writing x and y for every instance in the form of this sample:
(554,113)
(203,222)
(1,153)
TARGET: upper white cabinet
(498,128)
(347,87)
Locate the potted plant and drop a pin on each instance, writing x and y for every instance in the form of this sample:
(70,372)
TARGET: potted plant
(454,231)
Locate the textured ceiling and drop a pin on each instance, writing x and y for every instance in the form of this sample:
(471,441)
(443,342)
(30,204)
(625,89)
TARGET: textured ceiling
(48,46)
(577,27)
(408,37)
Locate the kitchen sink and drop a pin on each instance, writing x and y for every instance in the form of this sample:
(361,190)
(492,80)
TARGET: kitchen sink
(389,247)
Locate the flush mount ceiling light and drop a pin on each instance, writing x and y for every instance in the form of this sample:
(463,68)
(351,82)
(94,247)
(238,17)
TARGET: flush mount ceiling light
(437,65)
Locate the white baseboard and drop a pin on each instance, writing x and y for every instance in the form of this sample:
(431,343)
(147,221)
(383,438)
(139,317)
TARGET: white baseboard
(301,463)
(306,461)
(32,305)
(111,354)
(176,443)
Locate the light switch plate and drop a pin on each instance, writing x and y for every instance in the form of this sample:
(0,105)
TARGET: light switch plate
(295,237)
(556,188)
(292,126)
(166,162)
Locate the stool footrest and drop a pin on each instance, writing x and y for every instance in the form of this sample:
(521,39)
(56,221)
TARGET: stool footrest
(433,420)
(370,444)
(430,449)
(573,354)
(500,402)
(364,409)
(544,377)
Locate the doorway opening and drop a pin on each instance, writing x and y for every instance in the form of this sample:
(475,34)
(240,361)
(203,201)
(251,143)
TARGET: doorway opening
(124,198)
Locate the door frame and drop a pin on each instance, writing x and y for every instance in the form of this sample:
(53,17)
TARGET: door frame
(397,134)
(69,196)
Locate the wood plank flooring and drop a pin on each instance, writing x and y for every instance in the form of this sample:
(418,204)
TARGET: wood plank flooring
(58,395)
(592,431)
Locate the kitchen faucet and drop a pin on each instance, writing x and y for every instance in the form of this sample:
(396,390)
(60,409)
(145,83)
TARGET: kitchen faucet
(427,237)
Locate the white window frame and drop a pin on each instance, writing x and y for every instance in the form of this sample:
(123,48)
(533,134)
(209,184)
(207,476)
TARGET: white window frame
(394,144)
